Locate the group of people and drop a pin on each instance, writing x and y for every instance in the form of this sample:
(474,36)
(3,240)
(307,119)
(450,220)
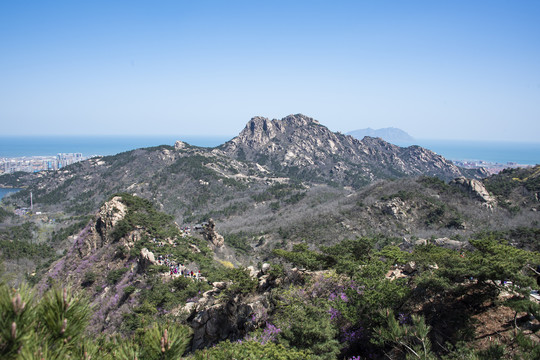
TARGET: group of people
(165,260)
(178,269)
(183,271)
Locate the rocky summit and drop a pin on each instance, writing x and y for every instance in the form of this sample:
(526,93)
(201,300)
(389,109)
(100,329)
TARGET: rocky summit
(300,145)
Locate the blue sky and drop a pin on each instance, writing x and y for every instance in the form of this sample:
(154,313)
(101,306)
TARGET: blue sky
(436,69)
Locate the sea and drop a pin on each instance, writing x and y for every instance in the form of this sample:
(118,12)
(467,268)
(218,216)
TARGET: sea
(19,146)
(4,192)
(524,153)
(527,153)
(502,152)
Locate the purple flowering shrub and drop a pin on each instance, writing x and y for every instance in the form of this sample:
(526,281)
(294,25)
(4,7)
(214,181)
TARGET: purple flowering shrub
(268,334)
(340,297)
(322,314)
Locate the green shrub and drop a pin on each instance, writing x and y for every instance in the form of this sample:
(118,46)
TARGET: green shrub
(242,283)
(274,206)
(238,242)
(53,327)
(128,290)
(308,327)
(114,275)
(248,350)
(276,270)
(493,352)
(410,338)
(142,213)
(89,278)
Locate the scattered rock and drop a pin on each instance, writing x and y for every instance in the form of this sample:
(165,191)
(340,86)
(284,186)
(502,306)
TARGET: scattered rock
(409,268)
(188,308)
(194,248)
(395,274)
(220,285)
(420,242)
(264,283)
(265,268)
(218,322)
(394,207)
(449,244)
(252,271)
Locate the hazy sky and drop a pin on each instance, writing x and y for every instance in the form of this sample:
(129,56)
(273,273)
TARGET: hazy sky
(436,69)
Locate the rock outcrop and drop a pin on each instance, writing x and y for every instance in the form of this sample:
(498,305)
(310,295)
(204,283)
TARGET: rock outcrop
(395,207)
(179,145)
(210,234)
(97,234)
(222,321)
(146,259)
(215,317)
(476,189)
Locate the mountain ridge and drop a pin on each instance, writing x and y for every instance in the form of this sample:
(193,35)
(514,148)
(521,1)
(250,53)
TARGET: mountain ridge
(300,143)
(189,181)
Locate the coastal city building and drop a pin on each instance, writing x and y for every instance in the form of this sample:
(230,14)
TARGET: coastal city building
(491,167)
(39,163)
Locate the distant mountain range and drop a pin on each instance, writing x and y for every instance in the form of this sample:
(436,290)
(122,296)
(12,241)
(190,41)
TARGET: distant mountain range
(188,180)
(390,134)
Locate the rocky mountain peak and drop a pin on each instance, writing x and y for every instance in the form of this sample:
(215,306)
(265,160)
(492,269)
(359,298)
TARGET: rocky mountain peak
(261,130)
(299,144)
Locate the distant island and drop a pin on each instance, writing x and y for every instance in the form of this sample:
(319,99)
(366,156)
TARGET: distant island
(390,134)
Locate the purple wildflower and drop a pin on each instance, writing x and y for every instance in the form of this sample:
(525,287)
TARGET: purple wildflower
(334,313)
(403,318)
(269,333)
(352,335)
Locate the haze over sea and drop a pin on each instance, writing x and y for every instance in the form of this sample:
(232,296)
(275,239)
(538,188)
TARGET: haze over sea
(18,146)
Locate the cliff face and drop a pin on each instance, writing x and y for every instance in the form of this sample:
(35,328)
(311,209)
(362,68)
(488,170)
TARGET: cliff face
(119,273)
(298,144)
(93,256)
(119,250)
